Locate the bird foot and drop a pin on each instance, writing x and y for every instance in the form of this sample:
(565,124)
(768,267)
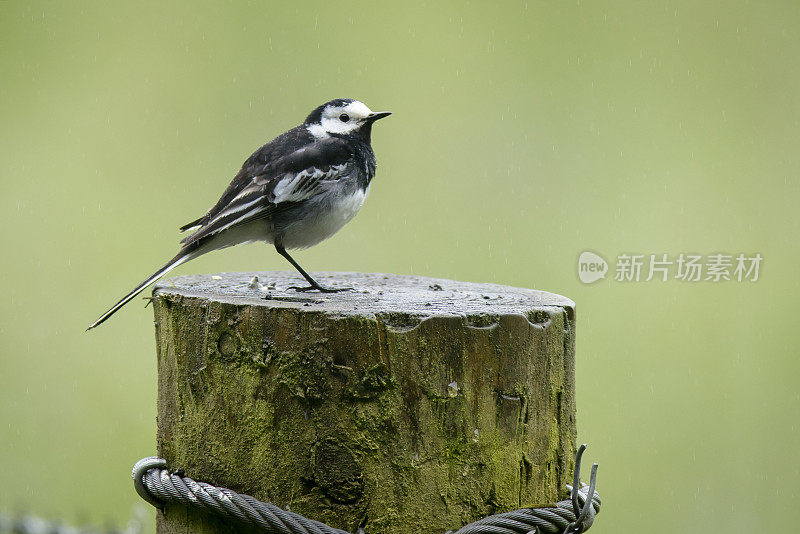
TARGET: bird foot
(320,289)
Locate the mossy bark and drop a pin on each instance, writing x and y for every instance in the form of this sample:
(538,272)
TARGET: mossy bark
(406,405)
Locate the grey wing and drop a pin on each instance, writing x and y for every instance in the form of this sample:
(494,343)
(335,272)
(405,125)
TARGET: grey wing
(289,180)
(265,196)
(306,184)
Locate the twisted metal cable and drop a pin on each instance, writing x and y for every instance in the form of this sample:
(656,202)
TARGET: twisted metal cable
(158,486)
(572,516)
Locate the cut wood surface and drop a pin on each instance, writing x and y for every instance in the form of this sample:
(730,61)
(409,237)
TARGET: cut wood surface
(406,405)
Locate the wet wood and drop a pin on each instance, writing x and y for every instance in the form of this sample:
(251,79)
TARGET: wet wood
(408,404)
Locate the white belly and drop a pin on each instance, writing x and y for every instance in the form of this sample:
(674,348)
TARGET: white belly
(325,221)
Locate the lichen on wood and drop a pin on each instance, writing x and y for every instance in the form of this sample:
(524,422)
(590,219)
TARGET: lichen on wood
(408,404)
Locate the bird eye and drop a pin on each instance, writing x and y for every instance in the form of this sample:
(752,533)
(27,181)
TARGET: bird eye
(344,117)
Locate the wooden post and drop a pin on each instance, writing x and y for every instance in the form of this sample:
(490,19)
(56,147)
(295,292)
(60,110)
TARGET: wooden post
(407,405)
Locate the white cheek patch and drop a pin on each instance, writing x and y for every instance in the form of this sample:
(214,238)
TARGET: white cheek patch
(331,124)
(335,126)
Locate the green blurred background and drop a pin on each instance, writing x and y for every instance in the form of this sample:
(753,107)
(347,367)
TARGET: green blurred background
(523,134)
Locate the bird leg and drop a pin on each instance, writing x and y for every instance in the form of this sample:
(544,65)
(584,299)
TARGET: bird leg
(313,283)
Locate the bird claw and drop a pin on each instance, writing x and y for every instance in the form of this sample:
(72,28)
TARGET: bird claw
(320,289)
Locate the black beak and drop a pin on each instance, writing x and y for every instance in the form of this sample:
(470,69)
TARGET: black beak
(372,117)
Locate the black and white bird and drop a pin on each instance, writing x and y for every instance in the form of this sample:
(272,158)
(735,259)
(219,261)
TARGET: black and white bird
(293,192)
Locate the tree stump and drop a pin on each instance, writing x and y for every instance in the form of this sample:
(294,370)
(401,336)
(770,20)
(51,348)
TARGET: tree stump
(408,404)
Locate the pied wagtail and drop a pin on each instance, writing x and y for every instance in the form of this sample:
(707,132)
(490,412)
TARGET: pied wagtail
(293,192)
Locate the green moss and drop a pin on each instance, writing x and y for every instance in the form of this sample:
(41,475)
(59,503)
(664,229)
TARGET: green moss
(365,420)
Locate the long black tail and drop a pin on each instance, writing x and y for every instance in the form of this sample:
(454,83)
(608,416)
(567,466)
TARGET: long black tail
(182,256)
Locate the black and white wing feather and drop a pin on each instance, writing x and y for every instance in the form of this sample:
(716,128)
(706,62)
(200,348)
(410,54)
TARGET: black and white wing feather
(295,178)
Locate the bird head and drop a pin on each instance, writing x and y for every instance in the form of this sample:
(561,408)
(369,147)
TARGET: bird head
(343,117)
